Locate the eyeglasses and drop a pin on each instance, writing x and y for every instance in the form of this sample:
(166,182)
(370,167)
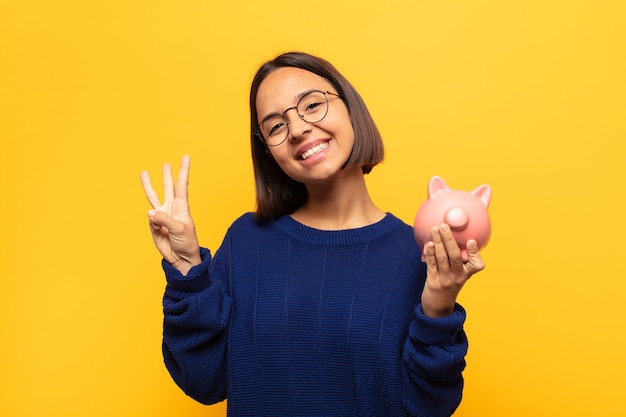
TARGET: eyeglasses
(312,108)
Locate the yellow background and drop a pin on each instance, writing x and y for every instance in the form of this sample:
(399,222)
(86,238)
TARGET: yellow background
(527,96)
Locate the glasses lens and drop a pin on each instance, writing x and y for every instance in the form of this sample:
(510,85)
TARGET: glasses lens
(274,130)
(313,107)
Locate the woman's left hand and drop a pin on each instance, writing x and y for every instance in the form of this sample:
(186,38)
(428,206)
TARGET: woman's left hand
(447,271)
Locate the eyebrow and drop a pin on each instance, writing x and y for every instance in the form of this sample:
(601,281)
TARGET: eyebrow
(298,97)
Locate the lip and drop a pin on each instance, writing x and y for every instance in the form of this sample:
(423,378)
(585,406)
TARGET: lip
(309,145)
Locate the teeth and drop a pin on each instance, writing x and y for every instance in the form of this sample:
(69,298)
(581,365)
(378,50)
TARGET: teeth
(314,150)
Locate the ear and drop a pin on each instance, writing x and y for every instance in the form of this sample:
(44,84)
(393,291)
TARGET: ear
(484,193)
(435,185)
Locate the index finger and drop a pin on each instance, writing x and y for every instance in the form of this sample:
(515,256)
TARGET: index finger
(151,195)
(182,180)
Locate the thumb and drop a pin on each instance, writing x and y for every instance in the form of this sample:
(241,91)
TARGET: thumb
(161,219)
(475,262)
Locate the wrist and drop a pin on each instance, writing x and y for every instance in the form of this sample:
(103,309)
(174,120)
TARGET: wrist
(184,264)
(437,303)
(437,312)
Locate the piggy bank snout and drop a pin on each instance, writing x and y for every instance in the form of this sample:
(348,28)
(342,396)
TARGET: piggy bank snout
(457,218)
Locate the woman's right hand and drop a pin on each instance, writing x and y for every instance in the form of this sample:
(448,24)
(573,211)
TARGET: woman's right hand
(171,225)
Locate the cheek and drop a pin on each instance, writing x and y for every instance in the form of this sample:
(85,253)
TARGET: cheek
(342,125)
(346,131)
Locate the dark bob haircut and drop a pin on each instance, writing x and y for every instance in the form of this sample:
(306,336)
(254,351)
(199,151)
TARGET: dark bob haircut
(276,193)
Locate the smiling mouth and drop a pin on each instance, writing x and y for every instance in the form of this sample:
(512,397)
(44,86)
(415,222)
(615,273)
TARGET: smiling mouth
(317,148)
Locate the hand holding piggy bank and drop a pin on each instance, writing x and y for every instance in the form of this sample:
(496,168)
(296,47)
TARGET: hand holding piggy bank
(465,213)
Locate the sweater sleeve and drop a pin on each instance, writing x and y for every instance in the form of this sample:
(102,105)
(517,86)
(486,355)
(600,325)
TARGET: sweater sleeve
(433,361)
(197,310)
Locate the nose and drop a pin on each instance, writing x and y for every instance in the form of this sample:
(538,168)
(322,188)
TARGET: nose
(297,125)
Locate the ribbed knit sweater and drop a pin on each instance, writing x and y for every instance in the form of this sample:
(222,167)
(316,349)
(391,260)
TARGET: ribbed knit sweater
(287,320)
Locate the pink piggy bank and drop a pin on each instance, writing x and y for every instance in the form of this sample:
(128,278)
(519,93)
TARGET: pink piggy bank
(465,213)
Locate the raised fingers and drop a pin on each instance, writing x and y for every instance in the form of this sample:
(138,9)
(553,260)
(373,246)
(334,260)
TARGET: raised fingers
(182,180)
(151,195)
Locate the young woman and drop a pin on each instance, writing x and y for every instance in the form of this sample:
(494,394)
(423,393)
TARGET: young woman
(318,303)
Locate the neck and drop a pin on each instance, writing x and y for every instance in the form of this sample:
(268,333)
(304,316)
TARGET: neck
(343,203)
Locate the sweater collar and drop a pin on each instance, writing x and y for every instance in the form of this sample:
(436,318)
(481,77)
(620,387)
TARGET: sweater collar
(346,237)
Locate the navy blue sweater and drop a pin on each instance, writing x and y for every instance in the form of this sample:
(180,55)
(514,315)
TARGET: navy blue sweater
(286,320)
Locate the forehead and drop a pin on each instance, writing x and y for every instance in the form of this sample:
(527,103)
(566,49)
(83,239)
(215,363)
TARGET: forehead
(282,87)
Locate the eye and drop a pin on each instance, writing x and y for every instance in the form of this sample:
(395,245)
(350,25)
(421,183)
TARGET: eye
(312,103)
(312,106)
(274,126)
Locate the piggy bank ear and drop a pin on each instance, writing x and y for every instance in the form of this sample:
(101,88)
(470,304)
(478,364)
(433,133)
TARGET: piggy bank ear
(435,185)
(484,193)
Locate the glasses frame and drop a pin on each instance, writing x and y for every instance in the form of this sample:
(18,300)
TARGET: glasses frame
(259,134)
